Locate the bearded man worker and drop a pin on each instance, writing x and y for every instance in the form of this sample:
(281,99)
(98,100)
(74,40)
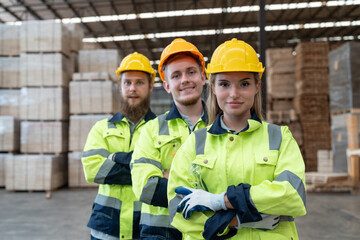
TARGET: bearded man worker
(108,150)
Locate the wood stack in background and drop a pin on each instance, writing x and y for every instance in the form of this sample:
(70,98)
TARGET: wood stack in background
(44,107)
(9,94)
(344,76)
(312,99)
(94,95)
(280,76)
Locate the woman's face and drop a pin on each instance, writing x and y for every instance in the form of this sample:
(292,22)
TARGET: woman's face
(235,93)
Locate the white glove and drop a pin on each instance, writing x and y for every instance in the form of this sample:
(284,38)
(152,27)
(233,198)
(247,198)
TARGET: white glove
(267,222)
(199,200)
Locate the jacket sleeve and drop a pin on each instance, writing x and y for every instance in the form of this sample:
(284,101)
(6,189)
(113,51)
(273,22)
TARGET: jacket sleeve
(149,185)
(285,195)
(102,167)
(180,176)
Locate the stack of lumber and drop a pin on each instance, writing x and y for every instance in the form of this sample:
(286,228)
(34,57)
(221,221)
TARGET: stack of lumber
(94,95)
(9,134)
(312,99)
(35,172)
(45,70)
(9,94)
(99,60)
(280,78)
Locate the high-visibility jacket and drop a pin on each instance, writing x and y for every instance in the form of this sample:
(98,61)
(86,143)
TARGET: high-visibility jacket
(153,155)
(264,155)
(106,161)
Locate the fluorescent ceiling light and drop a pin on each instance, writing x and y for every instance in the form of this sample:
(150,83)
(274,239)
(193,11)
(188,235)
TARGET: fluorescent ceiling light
(207,11)
(223,31)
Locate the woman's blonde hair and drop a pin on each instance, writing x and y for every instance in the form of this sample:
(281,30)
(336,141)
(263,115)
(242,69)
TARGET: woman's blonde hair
(213,106)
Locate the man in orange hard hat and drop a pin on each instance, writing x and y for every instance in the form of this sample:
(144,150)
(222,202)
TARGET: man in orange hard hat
(181,69)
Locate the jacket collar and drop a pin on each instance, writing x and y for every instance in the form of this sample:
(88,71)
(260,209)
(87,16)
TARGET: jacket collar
(253,123)
(118,117)
(174,113)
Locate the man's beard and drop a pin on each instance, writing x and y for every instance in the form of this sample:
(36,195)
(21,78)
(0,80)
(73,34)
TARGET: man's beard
(134,112)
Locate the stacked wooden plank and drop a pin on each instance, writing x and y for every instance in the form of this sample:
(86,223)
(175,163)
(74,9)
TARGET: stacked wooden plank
(94,95)
(280,76)
(35,172)
(344,81)
(3,157)
(311,99)
(9,134)
(9,94)
(45,69)
(99,60)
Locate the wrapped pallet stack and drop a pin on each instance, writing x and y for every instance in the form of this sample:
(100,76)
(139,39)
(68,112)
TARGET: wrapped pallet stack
(312,99)
(9,94)
(280,77)
(344,81)
(44,108)
(94,95)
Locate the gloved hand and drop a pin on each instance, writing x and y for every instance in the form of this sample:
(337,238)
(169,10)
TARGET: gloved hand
(267,222)
(199,200)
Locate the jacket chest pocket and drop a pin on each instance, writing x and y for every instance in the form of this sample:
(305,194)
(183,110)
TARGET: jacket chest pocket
(265,163)
(117,139)
(167,146)
(201,172)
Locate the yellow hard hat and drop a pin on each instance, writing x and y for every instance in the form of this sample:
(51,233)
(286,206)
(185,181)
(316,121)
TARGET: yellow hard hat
(136,62)
(234,56)
(179,45)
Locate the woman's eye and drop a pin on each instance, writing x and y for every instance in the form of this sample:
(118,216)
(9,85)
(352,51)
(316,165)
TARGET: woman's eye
(245,84)
(223,84)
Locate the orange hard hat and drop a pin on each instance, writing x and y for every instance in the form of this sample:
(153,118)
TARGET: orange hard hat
(179,45)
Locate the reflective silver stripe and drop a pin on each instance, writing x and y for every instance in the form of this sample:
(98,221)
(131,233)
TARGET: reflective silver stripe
(149,190)
(163,125)
(286,219)
(155,220)
(173,206)
(101,151)
(275,136)
(137,206)
(200,138)
(101,235)
(149,161)
(104,170)
(295,182)
(108,201)
(111,125)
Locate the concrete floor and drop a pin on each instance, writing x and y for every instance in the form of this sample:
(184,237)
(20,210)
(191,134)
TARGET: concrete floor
(26,215)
